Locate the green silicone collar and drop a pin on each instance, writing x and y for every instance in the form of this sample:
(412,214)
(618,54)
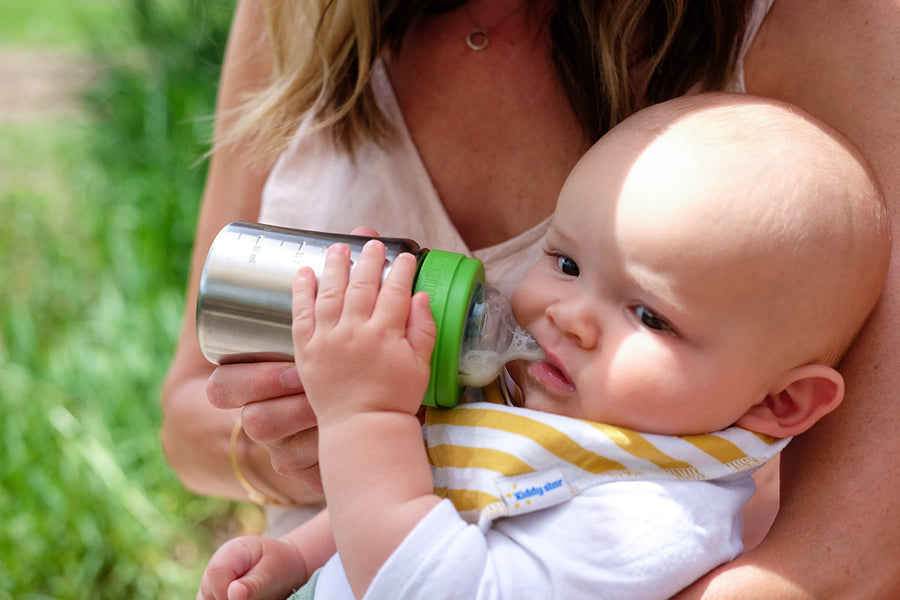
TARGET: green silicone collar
(450,280)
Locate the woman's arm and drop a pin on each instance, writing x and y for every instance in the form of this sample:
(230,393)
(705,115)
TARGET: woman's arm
(195,434)
(837,534)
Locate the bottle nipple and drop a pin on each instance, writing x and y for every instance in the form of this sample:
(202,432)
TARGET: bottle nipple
(492,338)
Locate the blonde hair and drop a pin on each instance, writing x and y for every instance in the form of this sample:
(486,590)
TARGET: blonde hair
(324,73)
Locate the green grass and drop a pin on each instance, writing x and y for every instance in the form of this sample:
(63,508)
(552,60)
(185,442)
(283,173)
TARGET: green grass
(98,217)
(56,23)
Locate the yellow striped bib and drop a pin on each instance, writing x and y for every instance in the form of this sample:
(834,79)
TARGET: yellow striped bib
(493,460)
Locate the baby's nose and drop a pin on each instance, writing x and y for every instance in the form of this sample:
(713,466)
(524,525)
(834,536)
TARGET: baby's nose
(577,320)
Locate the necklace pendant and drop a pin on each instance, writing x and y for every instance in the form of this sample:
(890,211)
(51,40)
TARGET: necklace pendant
(477,39)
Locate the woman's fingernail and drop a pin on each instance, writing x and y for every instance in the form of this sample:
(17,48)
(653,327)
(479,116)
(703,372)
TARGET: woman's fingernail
(290,379)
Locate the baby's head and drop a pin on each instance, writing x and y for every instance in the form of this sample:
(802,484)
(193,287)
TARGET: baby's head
(709,262)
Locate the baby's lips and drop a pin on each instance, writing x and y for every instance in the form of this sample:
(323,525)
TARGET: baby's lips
(553,361)
(550,375)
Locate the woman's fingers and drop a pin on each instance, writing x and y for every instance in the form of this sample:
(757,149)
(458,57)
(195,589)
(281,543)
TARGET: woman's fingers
(287,428)
(233,386)
(272,420)
(297,457)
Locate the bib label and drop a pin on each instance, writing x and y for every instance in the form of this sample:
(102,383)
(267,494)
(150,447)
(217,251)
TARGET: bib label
(534,491)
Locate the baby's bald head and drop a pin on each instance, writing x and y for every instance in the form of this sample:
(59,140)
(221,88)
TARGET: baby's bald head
(783,202)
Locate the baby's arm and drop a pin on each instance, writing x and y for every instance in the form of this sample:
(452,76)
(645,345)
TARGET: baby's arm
(363,356)
(261,568)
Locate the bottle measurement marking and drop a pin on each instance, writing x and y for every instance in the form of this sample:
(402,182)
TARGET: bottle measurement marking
(256,248)
(298,255)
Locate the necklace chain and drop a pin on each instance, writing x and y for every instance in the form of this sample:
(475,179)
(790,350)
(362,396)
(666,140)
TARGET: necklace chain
(479,37)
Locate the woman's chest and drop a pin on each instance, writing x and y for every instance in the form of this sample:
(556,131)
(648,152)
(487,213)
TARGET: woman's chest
(493,128)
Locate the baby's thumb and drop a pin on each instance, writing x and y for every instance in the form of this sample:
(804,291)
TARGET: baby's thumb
(257,587)
(420,328)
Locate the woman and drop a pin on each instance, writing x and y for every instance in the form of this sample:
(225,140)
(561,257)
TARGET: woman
(456,151)
(478,119)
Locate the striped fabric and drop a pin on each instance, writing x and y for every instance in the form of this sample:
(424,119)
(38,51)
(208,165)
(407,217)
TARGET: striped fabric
(493,460)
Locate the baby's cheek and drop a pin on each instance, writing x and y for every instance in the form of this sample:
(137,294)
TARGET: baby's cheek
(525,312)
(644,392)
(529,301)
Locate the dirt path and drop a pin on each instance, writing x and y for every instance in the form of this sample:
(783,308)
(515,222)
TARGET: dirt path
(39,84)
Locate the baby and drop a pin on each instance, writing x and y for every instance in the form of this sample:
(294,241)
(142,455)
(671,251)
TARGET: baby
(709,262)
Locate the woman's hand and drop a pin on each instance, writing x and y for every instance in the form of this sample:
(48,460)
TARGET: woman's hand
(275,412)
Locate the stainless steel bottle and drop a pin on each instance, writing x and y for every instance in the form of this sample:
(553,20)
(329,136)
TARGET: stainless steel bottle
(244,304)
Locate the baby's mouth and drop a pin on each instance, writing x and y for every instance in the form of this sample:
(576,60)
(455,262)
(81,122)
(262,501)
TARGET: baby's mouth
(546,377)
(551,376)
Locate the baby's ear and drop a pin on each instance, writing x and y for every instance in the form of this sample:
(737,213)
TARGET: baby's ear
(799,399)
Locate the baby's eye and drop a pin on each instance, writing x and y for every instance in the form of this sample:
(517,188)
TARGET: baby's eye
(652,320)
(567,266)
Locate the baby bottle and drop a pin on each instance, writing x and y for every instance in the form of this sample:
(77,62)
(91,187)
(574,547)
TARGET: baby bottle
(244,304)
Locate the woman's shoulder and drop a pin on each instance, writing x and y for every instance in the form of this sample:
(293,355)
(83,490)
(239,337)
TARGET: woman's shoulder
(836,59)
(805,46)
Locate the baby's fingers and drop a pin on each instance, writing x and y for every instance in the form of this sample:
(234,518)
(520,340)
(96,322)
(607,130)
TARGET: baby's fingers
(253,568)
(332,285)
(420,329)
(303,308)
(253,587)
(231,561)
(365,280)
(392,306)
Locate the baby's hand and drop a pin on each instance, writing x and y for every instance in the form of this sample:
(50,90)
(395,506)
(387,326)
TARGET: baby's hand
(253,568)
(360,346)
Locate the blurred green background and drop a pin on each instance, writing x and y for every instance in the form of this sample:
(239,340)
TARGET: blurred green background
(98,203)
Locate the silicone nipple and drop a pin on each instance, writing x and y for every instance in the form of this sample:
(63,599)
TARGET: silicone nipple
(492,338)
